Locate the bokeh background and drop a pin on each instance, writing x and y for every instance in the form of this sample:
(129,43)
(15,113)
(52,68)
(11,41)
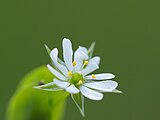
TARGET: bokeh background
(127,35)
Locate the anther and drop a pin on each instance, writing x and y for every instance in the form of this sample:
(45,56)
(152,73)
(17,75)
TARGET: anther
(69,73)
(93,76)
(80,82)
(74,63)
(86,62)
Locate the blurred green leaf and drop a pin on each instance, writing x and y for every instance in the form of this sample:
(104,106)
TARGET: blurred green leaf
(29,103)
(79,101)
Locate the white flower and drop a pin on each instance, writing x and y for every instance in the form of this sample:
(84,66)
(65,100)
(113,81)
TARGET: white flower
(72,75)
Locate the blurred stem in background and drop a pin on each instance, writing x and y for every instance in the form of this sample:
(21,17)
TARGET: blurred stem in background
(31,104)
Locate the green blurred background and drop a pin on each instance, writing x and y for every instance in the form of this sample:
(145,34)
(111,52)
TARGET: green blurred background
(127,34)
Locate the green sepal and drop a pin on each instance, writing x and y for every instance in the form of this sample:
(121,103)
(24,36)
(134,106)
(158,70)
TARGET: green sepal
(113,91)
(79,101)
(48,49)
(116,91)
(91,49)
(48,87)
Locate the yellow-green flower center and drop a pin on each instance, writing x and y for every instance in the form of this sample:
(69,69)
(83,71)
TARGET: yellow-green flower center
(76,79)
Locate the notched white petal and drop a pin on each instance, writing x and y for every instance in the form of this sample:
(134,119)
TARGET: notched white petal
(90,68)
(67,53)
(54,56)
(83,52)
(80,55)
(72,89)
(56,73)
(91,94)
(61,84)
(101,76)
(106,86)
(95,60)
(84,49)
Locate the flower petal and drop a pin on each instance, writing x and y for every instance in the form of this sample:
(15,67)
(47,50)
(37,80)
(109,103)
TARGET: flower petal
(54,57)
(95,59)
(72,89)
(80,55)
(102,76)
(91,94)
(56,73)
(67,53)
(83,49)
(61,84)
(106,86)
(90,68)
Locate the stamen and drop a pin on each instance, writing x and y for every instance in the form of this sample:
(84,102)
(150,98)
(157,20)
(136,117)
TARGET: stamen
(69,73)
(74,63)
(80,82)
(86,62)
(93,76)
